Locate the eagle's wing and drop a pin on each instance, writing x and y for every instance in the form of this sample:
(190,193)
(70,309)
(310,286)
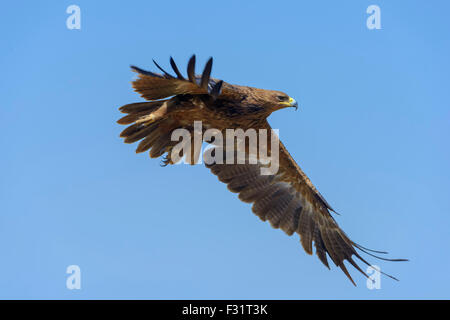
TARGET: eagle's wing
(154,121)
(289,201)
(154,86)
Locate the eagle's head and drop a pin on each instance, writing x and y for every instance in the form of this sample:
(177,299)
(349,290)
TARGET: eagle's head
(272,100)
(281,100)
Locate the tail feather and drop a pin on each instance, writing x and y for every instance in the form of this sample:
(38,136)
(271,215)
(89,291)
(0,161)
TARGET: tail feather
(140,106)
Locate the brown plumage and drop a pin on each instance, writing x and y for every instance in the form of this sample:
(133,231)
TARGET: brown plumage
(287,199)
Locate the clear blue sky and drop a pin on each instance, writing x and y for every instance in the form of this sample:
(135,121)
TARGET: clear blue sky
(372,132)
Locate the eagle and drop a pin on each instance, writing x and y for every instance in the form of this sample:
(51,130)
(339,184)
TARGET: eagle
(286,198)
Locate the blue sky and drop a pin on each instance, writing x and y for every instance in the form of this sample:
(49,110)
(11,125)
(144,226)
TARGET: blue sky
(372,132)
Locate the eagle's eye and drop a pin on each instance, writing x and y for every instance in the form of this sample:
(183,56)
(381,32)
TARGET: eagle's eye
(282,98)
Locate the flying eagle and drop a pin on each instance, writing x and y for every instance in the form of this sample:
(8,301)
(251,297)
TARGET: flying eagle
(287,199)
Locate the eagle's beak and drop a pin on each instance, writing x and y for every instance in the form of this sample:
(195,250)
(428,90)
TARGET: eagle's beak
(290,103)
(293,103)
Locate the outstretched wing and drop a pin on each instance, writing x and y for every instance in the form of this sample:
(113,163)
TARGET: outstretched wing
(289,201)
(153,122)
(154,86)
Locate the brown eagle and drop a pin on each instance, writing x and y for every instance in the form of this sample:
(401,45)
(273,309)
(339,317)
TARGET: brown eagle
(287,199)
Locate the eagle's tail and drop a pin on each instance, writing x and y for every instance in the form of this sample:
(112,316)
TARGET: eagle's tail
(153,123)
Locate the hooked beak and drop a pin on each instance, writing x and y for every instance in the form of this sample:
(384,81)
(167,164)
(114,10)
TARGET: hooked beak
(293,103)
(290,103)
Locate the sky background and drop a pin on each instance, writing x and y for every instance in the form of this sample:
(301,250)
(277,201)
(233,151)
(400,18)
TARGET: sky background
(372,132)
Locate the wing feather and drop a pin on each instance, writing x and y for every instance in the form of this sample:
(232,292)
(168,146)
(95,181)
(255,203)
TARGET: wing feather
(289,201)
(155,86)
